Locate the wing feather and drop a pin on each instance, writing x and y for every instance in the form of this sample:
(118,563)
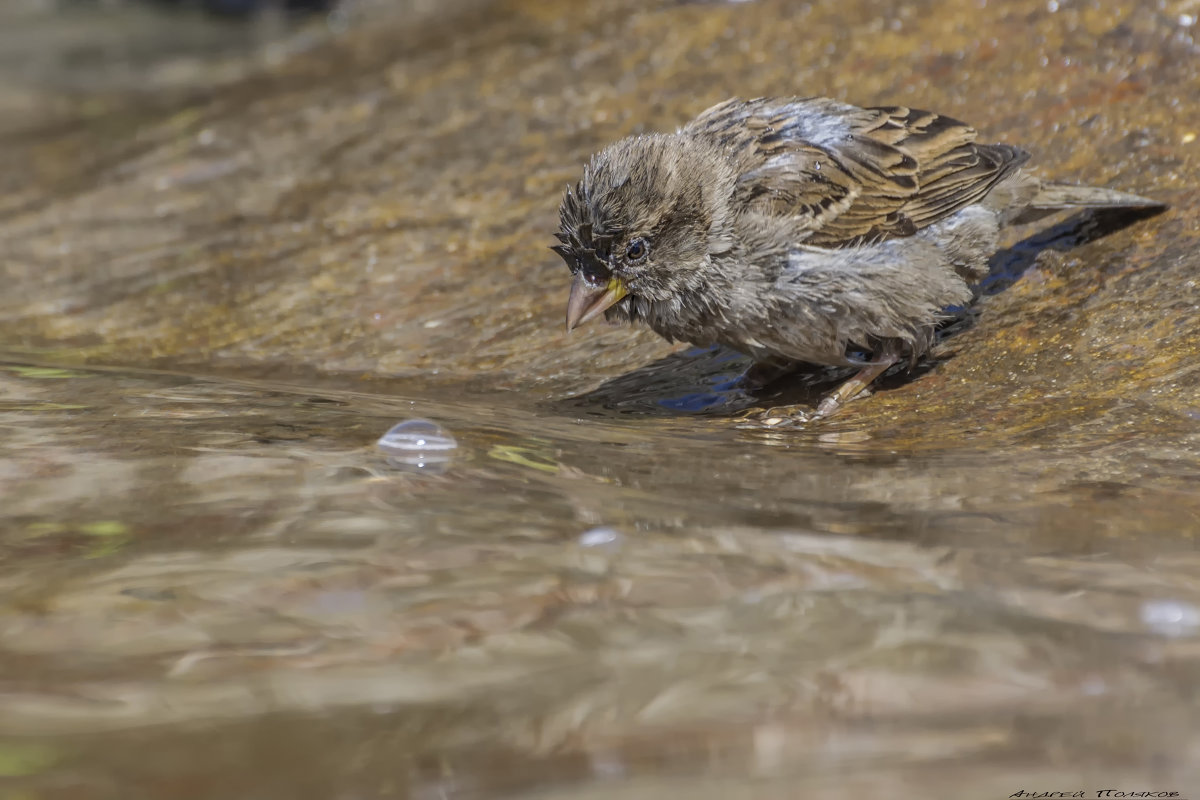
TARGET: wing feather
(851,175)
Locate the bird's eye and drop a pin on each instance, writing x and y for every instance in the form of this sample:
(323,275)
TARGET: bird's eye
(637,250)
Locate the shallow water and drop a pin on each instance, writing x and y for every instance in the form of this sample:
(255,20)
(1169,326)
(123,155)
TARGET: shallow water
(219,576)
(213,583)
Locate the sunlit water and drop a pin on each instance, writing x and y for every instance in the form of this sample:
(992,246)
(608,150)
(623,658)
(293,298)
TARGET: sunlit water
(196,570)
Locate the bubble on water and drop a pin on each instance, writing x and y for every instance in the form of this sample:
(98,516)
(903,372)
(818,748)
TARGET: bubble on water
(1171,617)
(600,537)
(418,443)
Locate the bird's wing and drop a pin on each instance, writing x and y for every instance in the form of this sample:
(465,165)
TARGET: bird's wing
(853,175)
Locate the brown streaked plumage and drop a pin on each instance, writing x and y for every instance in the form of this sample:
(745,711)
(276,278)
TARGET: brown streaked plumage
(794,230)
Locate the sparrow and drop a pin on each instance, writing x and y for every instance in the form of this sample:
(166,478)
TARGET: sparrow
(800,230)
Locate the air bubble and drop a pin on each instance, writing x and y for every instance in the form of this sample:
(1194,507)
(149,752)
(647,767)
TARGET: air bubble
(418,443)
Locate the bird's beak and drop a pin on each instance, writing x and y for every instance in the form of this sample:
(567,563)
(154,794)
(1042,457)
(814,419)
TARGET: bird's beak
(589,300)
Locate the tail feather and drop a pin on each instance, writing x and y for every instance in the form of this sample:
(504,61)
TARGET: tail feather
(1063,195)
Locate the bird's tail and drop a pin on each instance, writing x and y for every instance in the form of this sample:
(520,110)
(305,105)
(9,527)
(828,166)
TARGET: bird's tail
(1051,197)
(1062,195)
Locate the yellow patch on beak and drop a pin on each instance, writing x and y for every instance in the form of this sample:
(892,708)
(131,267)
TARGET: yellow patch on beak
(588,300)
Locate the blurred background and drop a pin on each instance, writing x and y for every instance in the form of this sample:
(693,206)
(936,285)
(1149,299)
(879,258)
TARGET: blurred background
(140,44)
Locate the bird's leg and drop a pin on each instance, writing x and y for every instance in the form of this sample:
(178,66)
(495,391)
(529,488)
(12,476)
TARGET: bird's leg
(887,355)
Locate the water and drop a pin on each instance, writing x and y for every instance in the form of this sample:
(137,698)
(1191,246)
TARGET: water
(217,581)
(198,567)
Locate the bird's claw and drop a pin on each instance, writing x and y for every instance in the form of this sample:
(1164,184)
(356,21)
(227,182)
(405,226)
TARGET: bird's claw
(827,407)
(774,418)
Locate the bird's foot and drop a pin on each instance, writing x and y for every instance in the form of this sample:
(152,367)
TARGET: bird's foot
(833,403)
(775,418)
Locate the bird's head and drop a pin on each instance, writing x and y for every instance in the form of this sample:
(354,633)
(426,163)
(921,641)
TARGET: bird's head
(640,227)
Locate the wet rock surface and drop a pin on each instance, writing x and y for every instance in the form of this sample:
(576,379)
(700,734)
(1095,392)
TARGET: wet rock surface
(220,292)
